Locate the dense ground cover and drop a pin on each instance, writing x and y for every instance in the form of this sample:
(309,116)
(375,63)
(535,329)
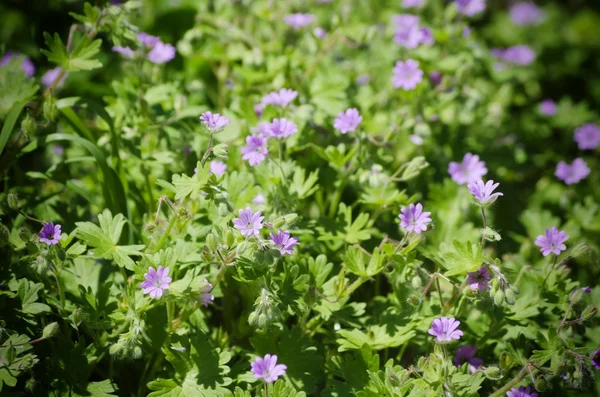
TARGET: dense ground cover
(289,198)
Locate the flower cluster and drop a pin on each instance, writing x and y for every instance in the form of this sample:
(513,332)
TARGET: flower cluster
(409,33)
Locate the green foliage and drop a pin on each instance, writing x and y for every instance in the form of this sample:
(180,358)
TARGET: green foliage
(80,58)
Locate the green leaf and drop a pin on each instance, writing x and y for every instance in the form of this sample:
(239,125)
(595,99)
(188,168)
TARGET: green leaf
(304,187)
(28,292)
(461,258)
(9,123)
(350,372)
(104,388)
(80,57)
(191,186)
(283,389)
(17,89)
(104,239)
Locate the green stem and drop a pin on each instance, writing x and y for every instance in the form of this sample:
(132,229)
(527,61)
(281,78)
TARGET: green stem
(170,314)
(61,291)
(484,226)
(338,195)
(360,281)
(165,236)
(509,385)
(219,276)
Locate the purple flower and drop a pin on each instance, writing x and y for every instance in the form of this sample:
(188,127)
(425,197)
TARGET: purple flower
(520,392)
(283,242)
(588,136)
(50,233)
(281,128)
(470,7)
(259,199)
(416,139)
(466,32)
(470,170)
(319,32)
(156,281)
(347,121)
(206,298)
(51,75)
(408,33)
(572,173)
(548,107)
(161,53)
(526,13)
(148,40)
(27,65)
(407,75)
(587,290)
(413,219)
(426,36)
(596,359)
(282,98)
(445,329)
(363,79)
(479,279)
(413,3)
(552,242)
(125,51)
(214,121)
(298,21)
(267,368)
(484,192)
(249,223)
(218,167)
(255,150)
(518,55)
(466,354)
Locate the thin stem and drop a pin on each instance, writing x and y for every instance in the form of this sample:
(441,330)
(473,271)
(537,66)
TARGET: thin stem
(165,235)
(219,276)
(208,150)
(170,314)
(360,281)
(266,389)
(513,382)
(338,195)
(484,226)
(563,321)
(437,282)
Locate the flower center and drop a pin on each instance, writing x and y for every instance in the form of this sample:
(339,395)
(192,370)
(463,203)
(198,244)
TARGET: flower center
(158,283)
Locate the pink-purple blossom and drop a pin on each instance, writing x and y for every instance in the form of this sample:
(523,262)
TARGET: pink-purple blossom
(520,392)
(206,298)
(470,7)
(281,128)
(445,329)
(413,219)
(283,242)
(319,32)
(552,241)
(413,3)
(409,33)
(587,289)
(363,79)
(588,136)
(407,75)
(259,199)
(161,53)
(479,279)
(255,150)
(27,65)
(572,173)
(518,54)
(596,359)
(249,223)
(471,169)
(347,121)
(548,107)
(218,167)
(526,13)
(466,354)
(51,75)
(484,193)
(125,51)
(214,122)
(299,20)
(156,281)
(50,233)
(282,98)
(267,368)
(147,40)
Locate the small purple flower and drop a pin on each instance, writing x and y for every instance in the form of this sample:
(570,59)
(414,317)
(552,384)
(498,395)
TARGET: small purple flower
(161,53)
(50,233)
(552,242)
(426,36)
(59,150)
(218,167)
(466,354)
(125,51)
(484,192)
(283,242)
(518,55)
(148,40)
(347,121)
(214,121)
(267,368)
(281,128)
(466,32)
(588,136)
(407,75)
(413,219)
(413,3)
(596,359)
(51,75)
(479,279)
(206,298)
(416,139)
(548,107)
(319,33)
(282,98)
(587,290)
(249,223)
(298,21)
(27,65)
(363,79)
(408,33)
(470,7)
(573,173)
(470,170)
(526,13)
(445,329)
(156,281)
(520,392)
(255,150)
(259,199)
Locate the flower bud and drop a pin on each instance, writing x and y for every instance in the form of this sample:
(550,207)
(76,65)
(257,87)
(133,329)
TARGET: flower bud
(279,223)
(290,218)
(229,238)
(490,235)
(498,297)
(414,167)
(222,209)
(413,300)
(50,330)
(49,109)
(30,385)
(578,250)
(493,373)
(13,201)
(576,296)
(25,234)
(416,282)
(183,213)
(540,383)
(28,126)
(220,151)
(589,313)
(150,228)
(4,235)
(211,242)
(510,296)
